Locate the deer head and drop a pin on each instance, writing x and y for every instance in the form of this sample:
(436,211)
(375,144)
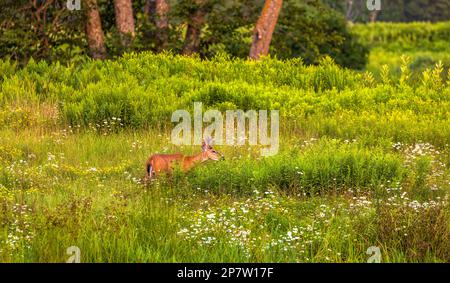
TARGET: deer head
(208,152)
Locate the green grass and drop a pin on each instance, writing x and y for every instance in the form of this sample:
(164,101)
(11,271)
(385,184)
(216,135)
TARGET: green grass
(305,205)
(364,161)
(426,44)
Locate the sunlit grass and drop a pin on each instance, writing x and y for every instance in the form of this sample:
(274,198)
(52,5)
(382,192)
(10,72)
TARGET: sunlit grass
(83,189)
(363,162)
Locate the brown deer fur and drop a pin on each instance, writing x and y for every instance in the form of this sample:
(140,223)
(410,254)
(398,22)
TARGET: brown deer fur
(164,163)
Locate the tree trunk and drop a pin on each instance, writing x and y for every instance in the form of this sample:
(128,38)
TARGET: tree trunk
(349,10)
(373,16)
(162,23)
(196,21)
(262,34)
(39,25)
(124,21)
(94,31)
(149,8)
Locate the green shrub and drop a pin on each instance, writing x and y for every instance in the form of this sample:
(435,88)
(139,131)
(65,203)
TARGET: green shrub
(330,165)
(143,90)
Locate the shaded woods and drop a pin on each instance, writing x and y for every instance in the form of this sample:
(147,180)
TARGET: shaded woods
(244,29)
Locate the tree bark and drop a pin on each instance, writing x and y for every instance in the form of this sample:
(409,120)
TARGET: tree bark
(149,8)
(162,23)
(39,19)
(94,31)
(349,10)
(124,21)
(262,34)
(196,21)
(373,16)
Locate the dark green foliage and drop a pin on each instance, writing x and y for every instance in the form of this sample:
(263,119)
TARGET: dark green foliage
(306,29)
(329,165)
(405,37)
(426,44)
(43,32)
(311,30)
(426,10)
(396,10)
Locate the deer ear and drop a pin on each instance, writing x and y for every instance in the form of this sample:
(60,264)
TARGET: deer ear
(209,141)
(204,146)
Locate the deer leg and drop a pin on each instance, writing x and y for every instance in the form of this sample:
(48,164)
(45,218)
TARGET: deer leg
(150,171)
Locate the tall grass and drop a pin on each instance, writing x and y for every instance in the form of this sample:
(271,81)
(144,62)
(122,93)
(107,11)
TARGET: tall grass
(363,162)
(425,43)
(318,200)
(143,90)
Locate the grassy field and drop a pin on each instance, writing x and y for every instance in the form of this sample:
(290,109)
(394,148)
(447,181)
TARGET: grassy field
(364,161)
(424,44)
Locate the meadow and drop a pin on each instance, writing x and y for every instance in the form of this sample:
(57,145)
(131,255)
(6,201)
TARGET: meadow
(364,162)
(425,44)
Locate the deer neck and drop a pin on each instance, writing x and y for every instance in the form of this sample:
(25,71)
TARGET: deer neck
(191,161)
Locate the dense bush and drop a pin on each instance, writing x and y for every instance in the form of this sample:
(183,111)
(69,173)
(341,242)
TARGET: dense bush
(396,10)
(407,37)
(306,29)
(327,166)
(425,44)
(143,90)
(312,31)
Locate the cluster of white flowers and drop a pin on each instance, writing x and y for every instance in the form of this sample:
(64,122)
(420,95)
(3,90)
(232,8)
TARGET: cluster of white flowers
(308,143)
(107,126)
(360,202)
(136,145)
(20,234)
(234,223)
(397,197)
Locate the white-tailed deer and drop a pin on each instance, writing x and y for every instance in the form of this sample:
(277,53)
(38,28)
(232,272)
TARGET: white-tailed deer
(164,163)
